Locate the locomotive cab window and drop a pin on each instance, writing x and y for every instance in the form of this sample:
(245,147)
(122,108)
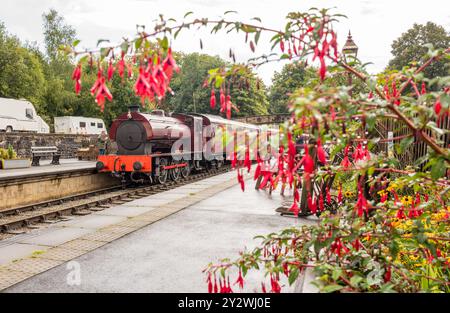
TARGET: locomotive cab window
(99,125)
(93,124)
(83,124)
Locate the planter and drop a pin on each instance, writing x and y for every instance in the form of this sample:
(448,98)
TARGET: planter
(16,163)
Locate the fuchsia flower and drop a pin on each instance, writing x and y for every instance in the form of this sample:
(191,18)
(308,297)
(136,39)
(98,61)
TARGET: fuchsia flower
(361,204)
(345,162)
(308,163)
(76,76)
(101,91)
(110,70)
(294,208)
(321,153)
(340,194)
(437,107)
(212,101)
(240,280)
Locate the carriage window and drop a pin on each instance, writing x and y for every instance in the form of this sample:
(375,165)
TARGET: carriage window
(82,124)
(100,125)
(93,124)
(29,113)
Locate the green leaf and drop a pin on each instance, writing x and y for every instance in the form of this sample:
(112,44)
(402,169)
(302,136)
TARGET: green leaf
(101,40)
(138,43)
(355,280)
(256,19)
(164,43)
(332,288)
(124,46)
(228,12)
(257,35)
(293,275)
(438,170)
(188,13)
(75,43)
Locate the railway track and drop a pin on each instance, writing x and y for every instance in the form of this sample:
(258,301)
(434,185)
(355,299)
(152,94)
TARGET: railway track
(18,220)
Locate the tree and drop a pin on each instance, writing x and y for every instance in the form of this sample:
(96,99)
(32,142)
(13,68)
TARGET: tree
(292,76)
(191,96)
(411,46)
(56,33)
(21,73)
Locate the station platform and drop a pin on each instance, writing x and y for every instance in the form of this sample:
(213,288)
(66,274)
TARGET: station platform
(160,243)
(67,165)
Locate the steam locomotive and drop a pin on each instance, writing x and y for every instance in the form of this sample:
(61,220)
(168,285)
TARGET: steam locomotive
(145,145)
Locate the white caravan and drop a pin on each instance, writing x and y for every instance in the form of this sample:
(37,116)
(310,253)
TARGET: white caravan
(20,115)
(79,125)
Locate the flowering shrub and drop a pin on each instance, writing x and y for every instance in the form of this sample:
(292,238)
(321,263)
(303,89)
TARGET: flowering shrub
(387,223)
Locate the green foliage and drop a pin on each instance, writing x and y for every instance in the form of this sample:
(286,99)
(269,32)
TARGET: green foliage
(292,76)
(191,96)
(21,72)
(411,47)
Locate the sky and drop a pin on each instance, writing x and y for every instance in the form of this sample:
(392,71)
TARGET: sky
(374,23)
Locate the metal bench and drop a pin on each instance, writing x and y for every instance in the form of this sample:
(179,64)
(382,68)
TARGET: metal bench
(38,152)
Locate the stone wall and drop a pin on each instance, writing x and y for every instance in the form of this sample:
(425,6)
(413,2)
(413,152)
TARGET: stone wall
(67,144)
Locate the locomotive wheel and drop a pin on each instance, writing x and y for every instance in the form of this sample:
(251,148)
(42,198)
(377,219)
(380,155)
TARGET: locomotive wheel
(163,173)
(175,172)
(219,164)
(185,171)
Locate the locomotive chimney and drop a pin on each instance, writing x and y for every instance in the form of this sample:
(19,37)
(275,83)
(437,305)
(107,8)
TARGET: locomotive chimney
(134,108)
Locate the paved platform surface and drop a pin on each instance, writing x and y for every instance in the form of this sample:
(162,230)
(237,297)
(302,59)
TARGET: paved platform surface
(47,168)
(165,241)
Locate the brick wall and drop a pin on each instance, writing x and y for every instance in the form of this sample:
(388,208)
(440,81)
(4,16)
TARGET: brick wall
(68,144)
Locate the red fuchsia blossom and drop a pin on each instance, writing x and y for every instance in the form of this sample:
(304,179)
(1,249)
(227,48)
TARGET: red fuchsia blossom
(387,275)
(210,285)
(361,204)
(282,45)
(294,208)
(321,204)
(240,178)
(345,162)
(308,163)
(76,76)
(212,101)
(400,214)
(101,91)
(240,280)
(423,89)
(247,161)
(263,287)
(321,153)
(356,244)
(338,248)
(311,204)
(110,72)
(170,65)
(437,107)
(276,288)
(370,96)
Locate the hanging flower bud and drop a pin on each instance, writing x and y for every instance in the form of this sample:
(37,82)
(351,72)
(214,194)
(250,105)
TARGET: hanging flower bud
(212,101)
(110,70)
(328,195)
(311,205)
(294,208)
(424,89)
(321,204)
(76,76)
(361,204)
(240,280)
(308,163)
(321,152)
(437,107)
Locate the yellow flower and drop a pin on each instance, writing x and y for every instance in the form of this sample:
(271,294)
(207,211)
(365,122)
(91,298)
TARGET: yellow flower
(407,200)
(348,194)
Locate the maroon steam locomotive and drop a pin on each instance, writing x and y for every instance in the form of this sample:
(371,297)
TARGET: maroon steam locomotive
(146,142)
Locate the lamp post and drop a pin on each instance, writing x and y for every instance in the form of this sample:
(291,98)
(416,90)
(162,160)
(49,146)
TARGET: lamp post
(350,51)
